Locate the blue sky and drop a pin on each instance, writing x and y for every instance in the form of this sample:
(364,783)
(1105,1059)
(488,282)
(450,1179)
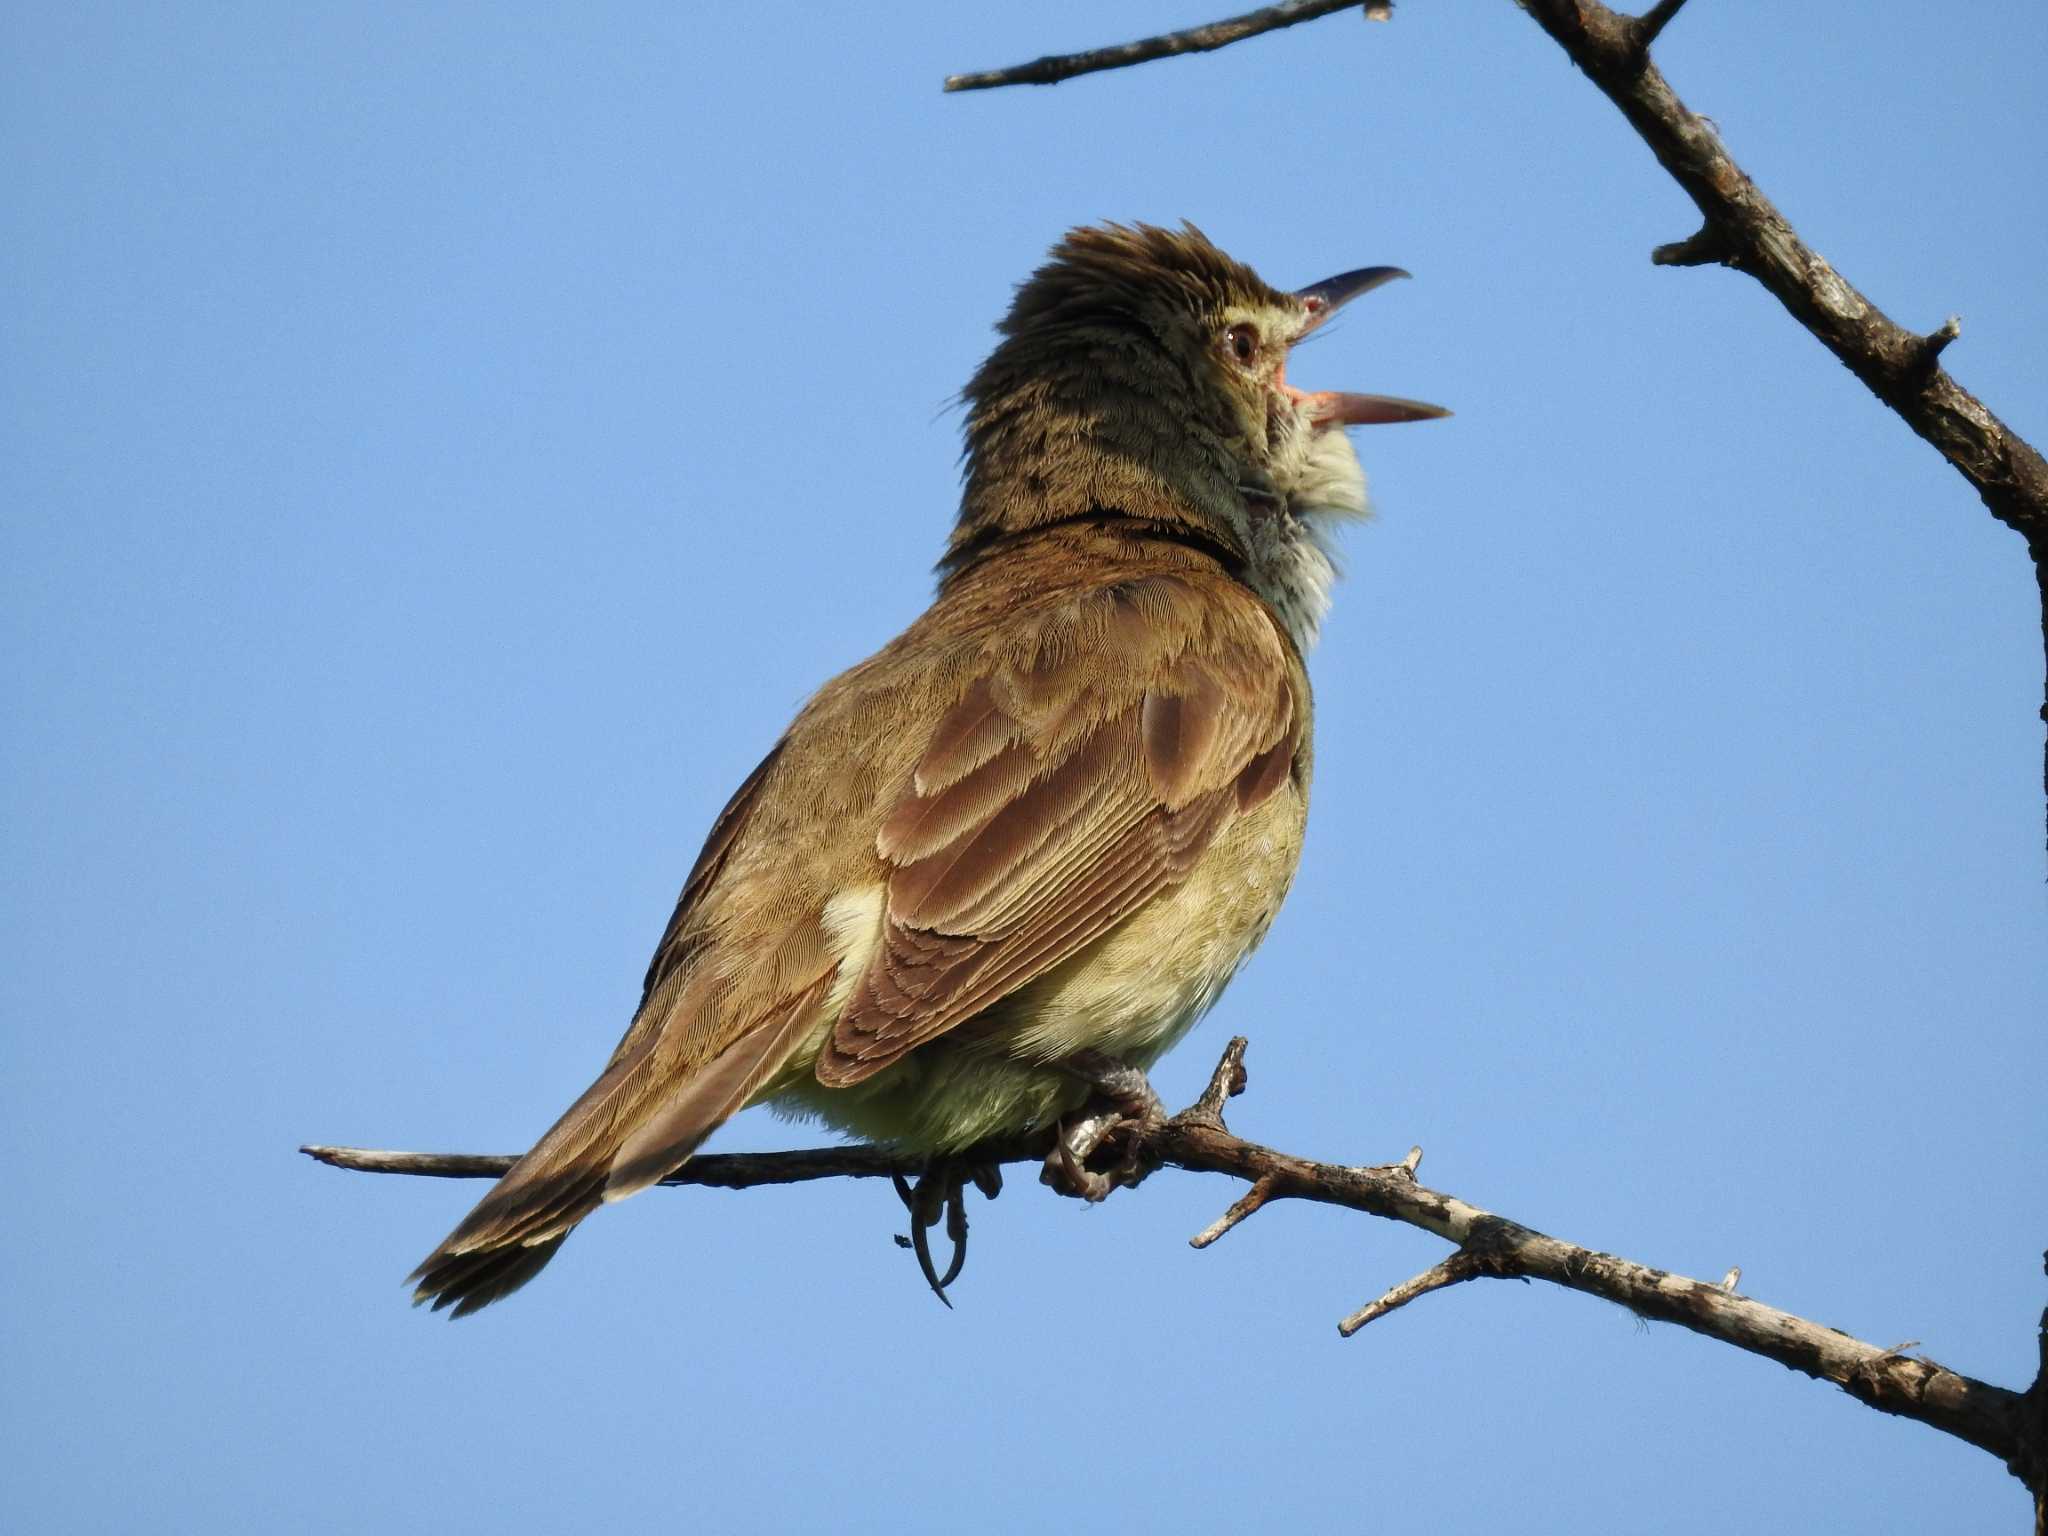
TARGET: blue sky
(441,446)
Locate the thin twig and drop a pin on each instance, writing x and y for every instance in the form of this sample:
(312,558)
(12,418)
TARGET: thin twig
(1459,1267)
(1054,68)
(729,1170)
(1247,1204)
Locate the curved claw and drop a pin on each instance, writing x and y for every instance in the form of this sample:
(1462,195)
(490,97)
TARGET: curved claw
(919,1226)
(942,1191)
(956,1229)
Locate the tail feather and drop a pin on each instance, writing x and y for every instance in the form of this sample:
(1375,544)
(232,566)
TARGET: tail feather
(464,1282)
(501,1245)
(664,1139)
(632,1127)
(516,1228)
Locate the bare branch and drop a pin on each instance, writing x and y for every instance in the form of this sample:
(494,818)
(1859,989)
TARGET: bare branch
(1744,230)
(1458,1267)
(2007,472)
(1488,1246)
(1246,1204)
(1054,68)
(729,1170)
(1987,1416)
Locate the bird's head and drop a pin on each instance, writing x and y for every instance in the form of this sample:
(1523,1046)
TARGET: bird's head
(1143,373)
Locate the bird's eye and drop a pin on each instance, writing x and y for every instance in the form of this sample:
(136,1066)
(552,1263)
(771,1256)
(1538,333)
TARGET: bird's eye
(1243,341)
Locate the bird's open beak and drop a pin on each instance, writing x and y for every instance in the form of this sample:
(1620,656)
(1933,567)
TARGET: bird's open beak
(1330,408)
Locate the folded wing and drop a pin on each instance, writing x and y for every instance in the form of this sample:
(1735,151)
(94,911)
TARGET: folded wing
(1054,800)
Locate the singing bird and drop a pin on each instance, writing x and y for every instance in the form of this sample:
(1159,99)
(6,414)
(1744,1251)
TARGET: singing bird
(991,874)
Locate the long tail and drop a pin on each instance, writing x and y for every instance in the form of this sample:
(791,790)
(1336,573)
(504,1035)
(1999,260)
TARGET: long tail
(516,1228)
(631,1128)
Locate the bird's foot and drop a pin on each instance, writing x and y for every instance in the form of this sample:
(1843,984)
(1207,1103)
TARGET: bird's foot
(1124,1109)
(941,1191)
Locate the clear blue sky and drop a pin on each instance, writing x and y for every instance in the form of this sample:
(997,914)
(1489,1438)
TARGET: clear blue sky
(441,445)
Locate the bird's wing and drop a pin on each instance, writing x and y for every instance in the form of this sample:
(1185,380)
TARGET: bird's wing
(679,941)
(1077,776)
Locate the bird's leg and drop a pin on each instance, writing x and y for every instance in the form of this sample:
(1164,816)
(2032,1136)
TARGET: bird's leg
(1124,1101)
(1126,1087)
(941,1190)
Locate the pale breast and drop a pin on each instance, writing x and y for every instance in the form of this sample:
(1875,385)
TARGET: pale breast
(1139,989)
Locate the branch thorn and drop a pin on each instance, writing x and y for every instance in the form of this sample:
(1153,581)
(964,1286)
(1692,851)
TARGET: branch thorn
(1245,1205)
(1935,342)
(1706,246)
(1226,1082)
(1647,26)
(1460,1266)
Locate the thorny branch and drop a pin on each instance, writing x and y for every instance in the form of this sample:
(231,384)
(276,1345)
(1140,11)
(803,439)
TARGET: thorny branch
(1740,228)
(1486,1246)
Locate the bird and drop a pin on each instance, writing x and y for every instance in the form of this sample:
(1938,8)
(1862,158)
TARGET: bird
(989,875)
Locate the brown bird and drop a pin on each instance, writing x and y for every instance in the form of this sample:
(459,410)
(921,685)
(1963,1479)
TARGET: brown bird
(996,870)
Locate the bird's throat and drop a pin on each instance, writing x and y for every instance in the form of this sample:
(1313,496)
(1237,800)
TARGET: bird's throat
(1292,536)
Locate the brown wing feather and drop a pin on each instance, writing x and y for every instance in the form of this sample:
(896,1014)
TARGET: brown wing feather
(710,1097)
(675,946)
(1051,802)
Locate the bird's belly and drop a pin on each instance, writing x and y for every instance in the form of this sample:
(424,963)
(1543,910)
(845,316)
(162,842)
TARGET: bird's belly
(1131,995)
(1140,988)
